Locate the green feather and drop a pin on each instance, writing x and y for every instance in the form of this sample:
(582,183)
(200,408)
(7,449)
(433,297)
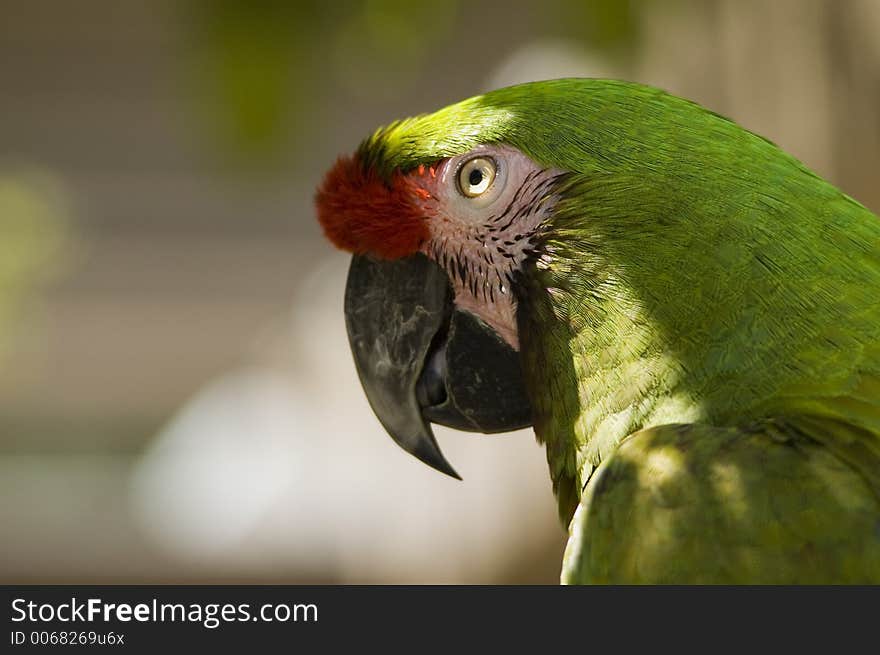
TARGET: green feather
(695,504)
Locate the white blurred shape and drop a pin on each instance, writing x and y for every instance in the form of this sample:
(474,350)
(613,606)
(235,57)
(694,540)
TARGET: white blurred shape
(220,463)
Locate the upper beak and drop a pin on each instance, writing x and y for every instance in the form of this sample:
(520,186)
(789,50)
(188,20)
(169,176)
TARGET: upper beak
(420,359)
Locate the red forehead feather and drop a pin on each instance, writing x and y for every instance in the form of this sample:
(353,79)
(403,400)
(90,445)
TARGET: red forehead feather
(362,213)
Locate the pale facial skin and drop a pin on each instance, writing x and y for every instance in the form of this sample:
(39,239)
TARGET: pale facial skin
(483,211)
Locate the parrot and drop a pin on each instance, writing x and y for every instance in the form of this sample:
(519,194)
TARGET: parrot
(686,314)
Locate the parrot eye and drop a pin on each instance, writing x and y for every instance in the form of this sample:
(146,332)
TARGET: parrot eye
(476,176)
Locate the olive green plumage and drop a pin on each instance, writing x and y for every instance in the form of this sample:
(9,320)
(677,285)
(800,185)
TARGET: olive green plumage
(704,322)
(699,504)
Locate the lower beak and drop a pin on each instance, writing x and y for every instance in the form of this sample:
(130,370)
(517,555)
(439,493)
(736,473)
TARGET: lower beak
(420,359)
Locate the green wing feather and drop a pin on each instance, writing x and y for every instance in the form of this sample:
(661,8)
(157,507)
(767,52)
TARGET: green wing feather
(698,504)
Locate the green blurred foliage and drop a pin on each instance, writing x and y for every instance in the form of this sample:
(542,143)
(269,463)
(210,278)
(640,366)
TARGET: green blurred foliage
(610,26)
(258,68)
(382,41)
(246,62)
(34,227)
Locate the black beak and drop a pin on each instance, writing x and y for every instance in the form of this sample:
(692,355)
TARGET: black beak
(420,359)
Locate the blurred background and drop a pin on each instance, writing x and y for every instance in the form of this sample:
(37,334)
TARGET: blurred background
(177,398)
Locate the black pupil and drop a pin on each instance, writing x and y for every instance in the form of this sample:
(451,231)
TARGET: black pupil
(475,177)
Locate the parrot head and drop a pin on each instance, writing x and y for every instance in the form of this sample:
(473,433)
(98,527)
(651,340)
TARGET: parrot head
(441,213)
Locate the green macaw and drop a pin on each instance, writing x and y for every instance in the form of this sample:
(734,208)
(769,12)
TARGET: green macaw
(689,317)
